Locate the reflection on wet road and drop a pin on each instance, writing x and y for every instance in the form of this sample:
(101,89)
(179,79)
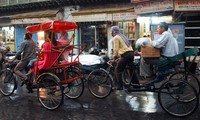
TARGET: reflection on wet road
(118,106)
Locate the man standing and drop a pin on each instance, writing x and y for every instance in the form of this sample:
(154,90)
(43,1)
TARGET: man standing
(27,53)
(168,45)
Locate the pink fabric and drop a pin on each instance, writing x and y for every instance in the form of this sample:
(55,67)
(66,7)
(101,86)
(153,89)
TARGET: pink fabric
(65,41)
(49,57)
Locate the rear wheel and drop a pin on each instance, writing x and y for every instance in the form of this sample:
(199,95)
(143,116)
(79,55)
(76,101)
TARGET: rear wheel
(190,78)
(8,82)
(176,97)
(49,91)
(75,88)
(99,83)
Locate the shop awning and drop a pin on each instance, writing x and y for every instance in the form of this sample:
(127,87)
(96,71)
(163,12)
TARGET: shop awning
(28,7)
(36,14)
(5,22)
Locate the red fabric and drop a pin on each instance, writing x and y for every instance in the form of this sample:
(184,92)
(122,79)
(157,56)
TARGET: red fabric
(56,26)
(49,57)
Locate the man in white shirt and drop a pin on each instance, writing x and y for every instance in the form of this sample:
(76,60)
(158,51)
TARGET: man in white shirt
(168,45)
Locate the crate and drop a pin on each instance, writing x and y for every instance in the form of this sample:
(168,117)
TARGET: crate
(150,52)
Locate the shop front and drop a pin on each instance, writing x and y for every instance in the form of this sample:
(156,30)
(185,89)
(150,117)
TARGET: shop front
(7,36)
(187,12)
(94,29)
(151,13)
(21,21)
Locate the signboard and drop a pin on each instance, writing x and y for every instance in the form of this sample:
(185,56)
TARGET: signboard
(136,1)
(154,6)
(124,16)
(30,20)
(91,17)
(187,5)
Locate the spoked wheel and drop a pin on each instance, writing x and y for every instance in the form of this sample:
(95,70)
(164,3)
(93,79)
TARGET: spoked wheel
(99,83)
(178,98)
(190,78)
(8,82)
(49,91)
(75,88)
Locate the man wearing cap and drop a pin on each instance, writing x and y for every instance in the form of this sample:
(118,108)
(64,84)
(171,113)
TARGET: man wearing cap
(168,45)
(121,49)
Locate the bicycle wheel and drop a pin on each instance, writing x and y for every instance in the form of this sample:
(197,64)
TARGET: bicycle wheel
(176,98)
(49,91)
(75,88)
(8,82)
(192,79)
(100,83)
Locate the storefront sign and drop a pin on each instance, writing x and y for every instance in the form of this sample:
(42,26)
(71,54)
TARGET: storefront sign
(124,16)
(136,1)
(154,6)
(187,5)
(91,18)
(30,20)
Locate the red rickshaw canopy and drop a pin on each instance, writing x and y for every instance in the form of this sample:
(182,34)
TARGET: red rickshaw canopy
(56,26)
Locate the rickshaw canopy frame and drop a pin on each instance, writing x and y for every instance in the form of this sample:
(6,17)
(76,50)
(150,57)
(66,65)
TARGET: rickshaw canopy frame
(55,26)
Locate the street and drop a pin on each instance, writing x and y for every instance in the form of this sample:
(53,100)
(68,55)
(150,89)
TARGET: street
(118,106)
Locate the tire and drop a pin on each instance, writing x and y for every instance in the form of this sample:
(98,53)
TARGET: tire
(8,82)
(176,98)
(191,79)
(75,88)
(49,91)
(100,83)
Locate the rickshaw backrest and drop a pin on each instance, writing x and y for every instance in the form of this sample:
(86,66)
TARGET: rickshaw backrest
(181,56)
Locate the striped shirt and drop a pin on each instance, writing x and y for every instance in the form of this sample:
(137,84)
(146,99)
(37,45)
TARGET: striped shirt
(120,46)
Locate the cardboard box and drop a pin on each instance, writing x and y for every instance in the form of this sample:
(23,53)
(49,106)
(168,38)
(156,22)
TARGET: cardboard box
(150,52)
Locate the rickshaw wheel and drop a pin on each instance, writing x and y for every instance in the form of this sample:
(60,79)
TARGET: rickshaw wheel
(8,82)
(189,77)
(75,88)
(49,91)
(176,97)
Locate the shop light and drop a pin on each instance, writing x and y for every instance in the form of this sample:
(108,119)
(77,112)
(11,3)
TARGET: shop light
(143,20)
(155,20)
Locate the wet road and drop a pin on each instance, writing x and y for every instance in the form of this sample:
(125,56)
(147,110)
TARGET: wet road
(118,106)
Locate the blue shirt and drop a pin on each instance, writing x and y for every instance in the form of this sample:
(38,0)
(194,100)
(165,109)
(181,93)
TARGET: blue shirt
(167,43)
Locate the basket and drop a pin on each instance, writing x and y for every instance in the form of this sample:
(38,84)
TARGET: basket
(150,52)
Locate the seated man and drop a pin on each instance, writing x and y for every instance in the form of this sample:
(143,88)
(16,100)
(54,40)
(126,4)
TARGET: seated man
(168,45)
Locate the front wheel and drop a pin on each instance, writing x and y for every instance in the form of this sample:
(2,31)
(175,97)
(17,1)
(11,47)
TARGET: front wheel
(49,91)
(75,88)
(8,82)
(100,83)
(176,97)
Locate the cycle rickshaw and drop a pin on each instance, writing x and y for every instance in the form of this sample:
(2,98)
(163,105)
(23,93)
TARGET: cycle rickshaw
(58,79)
(178,96)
